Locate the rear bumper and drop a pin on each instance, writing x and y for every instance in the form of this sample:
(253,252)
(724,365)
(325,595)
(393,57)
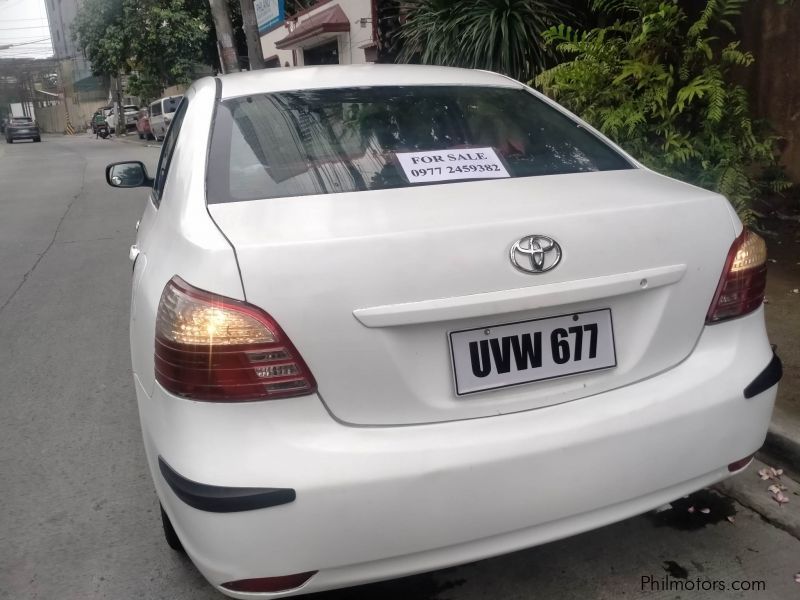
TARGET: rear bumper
(18,135)
(374,503)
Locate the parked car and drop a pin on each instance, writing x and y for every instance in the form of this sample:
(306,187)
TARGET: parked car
(130,113)
(387,319)
(143,125)
(161,114)
(22,128)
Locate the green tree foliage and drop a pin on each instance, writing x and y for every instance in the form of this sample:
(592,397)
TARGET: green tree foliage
(500,35)
(660,84)
(159,42)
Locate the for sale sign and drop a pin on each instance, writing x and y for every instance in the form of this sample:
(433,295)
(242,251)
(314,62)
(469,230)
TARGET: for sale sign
(448,165)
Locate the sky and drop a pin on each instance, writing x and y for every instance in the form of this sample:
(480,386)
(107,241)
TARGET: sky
(24,21)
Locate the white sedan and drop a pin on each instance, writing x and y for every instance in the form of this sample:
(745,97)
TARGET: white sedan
(389,319)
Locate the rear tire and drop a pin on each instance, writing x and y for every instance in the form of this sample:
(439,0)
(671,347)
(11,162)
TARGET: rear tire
(169,533)
(9,141)
(38,139)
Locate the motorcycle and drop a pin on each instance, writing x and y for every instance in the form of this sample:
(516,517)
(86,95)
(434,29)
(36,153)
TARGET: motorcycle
(102,130)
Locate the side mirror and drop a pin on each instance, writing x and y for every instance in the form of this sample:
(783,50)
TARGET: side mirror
(128,175)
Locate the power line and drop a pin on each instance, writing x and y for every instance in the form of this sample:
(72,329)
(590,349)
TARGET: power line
(24,43)
(26,27)
(47,39)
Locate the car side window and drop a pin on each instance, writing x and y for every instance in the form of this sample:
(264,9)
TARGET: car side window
(167,151)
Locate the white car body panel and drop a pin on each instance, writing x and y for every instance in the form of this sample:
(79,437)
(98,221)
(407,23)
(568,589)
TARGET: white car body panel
(179,236)
(417,498)
(316,263)
(367,286)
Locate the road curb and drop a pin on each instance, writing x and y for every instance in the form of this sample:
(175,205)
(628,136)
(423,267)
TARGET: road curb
(781,447)
(750,490)
(136,141)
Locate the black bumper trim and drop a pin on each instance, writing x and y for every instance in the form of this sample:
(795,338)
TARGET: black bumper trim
(213,498)
(771,375)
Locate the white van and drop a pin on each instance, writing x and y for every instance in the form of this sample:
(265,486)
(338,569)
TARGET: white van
(161,113)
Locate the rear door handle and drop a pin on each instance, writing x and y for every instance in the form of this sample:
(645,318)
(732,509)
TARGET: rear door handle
(133,253)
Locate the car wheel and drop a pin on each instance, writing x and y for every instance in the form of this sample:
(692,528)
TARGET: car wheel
(141,135)
(37,139)
(169,532)
(9,141)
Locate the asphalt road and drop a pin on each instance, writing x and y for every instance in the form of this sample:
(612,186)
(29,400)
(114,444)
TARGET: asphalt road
(79,517)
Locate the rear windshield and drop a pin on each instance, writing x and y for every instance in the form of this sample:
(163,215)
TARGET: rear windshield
(171,104)
(355,139)
(22,120)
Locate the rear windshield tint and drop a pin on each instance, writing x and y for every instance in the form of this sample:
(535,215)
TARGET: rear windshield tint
(171,104)
(355,139)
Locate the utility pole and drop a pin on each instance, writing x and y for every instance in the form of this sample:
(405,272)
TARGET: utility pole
(120,121)
(225,45)
(250,24)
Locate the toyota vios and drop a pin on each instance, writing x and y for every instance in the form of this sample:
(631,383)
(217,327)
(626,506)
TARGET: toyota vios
(385,318)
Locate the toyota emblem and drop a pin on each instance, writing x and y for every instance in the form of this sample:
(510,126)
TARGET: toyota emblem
(535,254)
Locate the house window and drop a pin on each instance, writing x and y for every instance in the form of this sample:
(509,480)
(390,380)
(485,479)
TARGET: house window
(325,54)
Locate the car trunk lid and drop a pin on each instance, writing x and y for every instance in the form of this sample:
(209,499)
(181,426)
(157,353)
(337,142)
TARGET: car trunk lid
(372,286)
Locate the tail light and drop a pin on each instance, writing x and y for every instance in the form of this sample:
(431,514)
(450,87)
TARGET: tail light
(213,348)
(744,279)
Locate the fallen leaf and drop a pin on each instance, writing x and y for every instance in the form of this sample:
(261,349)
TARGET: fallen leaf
(690,510)
(776,472)
(764,473)
(731,519)
(705,511)
(774,488)
(797,577)
(780,498)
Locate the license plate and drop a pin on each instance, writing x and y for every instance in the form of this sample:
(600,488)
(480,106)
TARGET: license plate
(515,353)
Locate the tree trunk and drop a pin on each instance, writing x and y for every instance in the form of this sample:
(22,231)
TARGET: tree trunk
(250,23)
(226,45)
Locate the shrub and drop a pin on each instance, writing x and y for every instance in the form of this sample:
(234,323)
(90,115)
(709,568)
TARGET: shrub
(499,35)
(660,84)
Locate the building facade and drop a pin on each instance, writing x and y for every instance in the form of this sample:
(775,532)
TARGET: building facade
(82,91)
(330,32)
